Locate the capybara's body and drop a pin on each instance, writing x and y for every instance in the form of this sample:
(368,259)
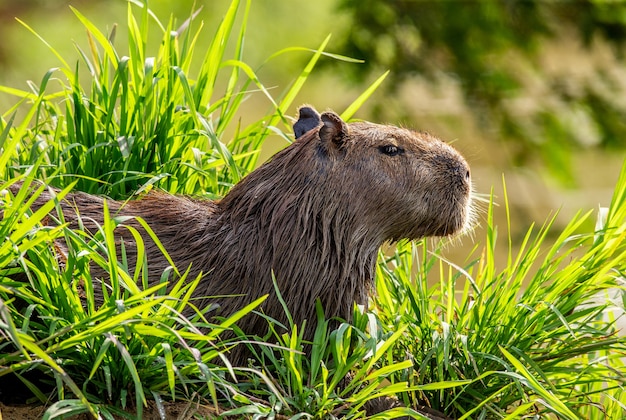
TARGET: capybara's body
(314,215)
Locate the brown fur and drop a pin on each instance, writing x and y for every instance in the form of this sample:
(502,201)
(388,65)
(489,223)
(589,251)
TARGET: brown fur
(315,214)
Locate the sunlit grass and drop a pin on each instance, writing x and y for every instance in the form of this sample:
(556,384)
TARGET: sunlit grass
(136,341)
(534,337)
(540,327)
(141,117)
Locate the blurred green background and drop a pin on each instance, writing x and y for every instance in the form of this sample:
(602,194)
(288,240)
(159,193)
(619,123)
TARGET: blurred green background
(534,91)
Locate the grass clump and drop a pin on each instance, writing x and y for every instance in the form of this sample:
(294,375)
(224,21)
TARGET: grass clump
(537,337)
(100,357)
(120,122)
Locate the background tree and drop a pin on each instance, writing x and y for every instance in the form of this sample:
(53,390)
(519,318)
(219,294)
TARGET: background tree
(501,54)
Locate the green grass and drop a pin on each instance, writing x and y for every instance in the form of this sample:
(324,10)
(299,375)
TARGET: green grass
(533,338)
(136,345)
(540,328)
(164,117)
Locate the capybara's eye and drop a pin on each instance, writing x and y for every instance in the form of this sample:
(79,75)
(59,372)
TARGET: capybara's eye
(390,150)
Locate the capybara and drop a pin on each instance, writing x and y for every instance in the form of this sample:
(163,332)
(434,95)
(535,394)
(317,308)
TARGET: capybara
(314,216)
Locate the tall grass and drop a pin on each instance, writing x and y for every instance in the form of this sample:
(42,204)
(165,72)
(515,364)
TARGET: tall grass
(136,343)
(535,338)
(143,117)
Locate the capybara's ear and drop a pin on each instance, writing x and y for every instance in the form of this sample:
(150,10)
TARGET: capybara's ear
(334,131)
(308,119)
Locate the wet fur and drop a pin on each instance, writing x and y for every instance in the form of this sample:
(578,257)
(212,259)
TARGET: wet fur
(315,215)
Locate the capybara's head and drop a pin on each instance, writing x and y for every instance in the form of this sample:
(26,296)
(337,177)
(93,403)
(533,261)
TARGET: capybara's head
(402,183)
(341,190)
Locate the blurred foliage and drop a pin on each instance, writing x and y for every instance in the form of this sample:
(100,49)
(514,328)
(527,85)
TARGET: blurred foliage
(24,57)
(496,53)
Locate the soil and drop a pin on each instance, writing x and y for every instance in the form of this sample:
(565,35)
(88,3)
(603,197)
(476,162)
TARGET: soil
(183,410)
(173,411)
